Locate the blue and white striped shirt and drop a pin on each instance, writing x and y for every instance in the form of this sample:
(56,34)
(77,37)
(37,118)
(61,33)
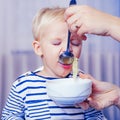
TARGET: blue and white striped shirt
(28,100)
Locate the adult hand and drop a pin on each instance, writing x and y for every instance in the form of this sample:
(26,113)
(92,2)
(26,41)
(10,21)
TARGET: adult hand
(86,20)
(103,95)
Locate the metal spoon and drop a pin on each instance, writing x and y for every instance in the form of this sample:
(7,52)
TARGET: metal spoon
(67,57)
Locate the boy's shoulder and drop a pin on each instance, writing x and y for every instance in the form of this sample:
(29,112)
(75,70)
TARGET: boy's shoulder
(27,76)
(24,75)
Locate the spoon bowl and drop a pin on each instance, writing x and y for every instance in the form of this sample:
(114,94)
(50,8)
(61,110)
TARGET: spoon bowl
(66,58)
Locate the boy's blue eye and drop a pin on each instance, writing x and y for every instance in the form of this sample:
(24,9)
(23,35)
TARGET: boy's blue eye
(76,42)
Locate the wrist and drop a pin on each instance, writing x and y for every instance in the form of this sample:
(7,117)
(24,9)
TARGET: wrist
(117,101)
(114,28)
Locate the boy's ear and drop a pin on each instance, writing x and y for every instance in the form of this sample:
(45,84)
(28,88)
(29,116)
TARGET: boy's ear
(37,47)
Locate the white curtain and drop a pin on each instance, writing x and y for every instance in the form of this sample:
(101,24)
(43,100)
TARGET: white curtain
(100,58)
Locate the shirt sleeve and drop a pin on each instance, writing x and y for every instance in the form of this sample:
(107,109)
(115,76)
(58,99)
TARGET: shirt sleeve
(92,114)
(14,108)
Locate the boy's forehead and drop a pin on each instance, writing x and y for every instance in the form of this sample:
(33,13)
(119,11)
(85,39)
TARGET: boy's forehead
(56,27)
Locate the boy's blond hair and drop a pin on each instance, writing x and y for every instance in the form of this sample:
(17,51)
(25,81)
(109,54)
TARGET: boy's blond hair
(44,17)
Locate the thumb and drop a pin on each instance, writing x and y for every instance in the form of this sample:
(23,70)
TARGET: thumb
(83,105)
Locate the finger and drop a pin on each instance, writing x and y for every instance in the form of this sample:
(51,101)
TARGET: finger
(71,21)
(82,30)
(88,76)
(95,104)
(73,18)
(73,28)
(84,37)
(84,76)
(70,11)
(79,27)
(83,105)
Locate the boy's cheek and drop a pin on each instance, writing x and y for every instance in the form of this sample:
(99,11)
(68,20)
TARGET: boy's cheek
(77,53)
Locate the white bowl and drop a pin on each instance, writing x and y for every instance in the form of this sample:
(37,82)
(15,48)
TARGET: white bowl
(67,91)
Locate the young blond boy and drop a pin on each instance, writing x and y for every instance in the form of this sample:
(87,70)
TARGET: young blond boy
(28,98)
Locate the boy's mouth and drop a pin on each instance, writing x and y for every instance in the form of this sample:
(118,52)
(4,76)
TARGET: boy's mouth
(66,66)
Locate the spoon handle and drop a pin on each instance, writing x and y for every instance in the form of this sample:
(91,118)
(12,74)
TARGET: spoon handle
(68,43)
(73,2)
